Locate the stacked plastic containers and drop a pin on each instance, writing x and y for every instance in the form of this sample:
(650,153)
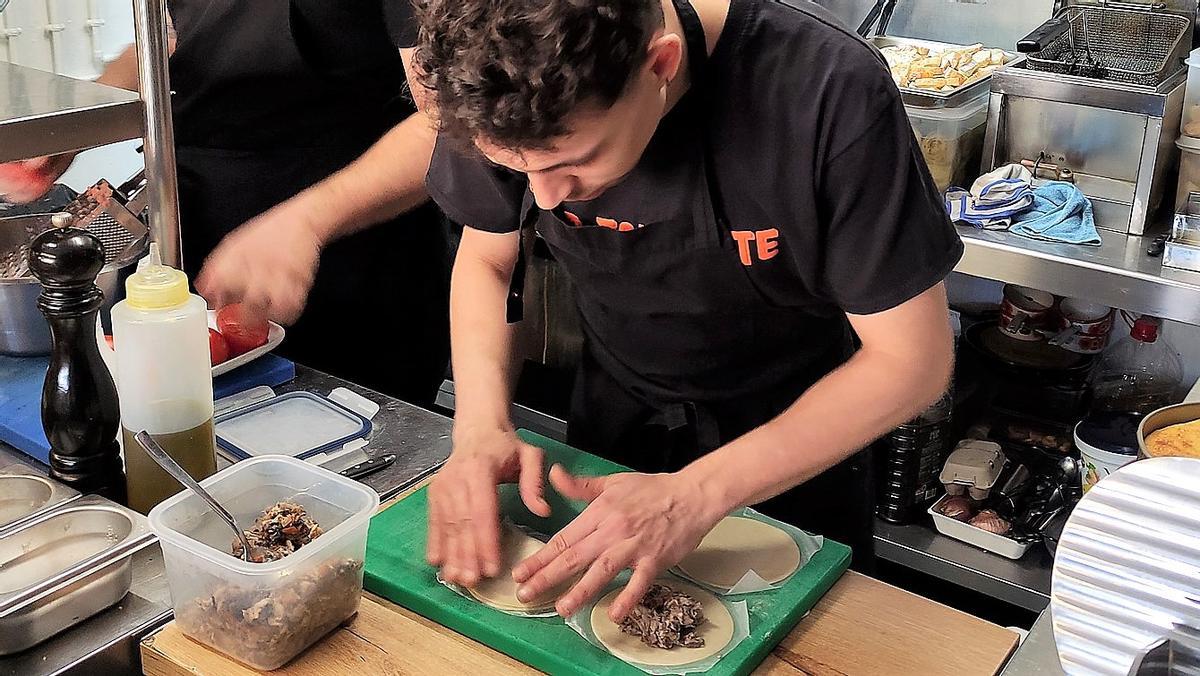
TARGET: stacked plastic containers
(1189,139)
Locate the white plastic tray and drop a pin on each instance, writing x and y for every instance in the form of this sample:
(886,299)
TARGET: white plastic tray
(961,530)
(274,337)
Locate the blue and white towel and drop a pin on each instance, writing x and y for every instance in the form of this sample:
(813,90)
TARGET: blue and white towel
(1060,213)
(993,199)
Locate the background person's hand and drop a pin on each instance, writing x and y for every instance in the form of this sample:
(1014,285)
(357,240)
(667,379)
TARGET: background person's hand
(464,512)
(647,522)
(268,264)
(27,180)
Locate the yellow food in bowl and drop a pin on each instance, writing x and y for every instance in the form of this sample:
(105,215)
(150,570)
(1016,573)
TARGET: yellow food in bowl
(1180,441)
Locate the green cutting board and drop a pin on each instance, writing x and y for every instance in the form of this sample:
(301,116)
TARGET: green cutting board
(396,570)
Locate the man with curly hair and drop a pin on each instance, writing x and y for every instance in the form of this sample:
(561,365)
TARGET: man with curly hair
(734,189)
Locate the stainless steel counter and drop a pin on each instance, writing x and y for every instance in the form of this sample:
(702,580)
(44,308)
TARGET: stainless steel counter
(1117,273)
(108,642)
(1024,583)
(1037,654)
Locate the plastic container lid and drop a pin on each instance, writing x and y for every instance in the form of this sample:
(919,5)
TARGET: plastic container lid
(1188,144)
(1109,432)
(954,113)
(298,424)
(1193,59)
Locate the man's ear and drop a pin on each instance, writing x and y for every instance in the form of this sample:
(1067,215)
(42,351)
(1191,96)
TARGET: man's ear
(665,54)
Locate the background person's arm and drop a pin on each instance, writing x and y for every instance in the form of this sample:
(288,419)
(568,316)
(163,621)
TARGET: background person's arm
(269,263)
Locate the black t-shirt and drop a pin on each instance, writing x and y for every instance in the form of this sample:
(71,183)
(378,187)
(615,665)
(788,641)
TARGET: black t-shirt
(401,23)
(808,136)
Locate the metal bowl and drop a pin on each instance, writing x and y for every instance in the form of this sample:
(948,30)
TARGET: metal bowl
(23,330)
(1165,417)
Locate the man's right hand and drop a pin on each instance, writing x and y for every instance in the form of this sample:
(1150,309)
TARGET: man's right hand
(27,180)
(464,512)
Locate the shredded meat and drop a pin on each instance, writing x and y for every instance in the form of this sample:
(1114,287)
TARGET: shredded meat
(665,618)
(280,530)
(268,625)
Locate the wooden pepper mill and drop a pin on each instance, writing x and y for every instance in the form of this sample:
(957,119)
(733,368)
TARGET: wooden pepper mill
(79,400)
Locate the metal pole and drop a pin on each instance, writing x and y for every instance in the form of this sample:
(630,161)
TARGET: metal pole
(154,84)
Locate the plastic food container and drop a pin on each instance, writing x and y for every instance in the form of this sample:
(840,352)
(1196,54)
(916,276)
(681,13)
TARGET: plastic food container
(1191,97)
(959,530)
(264,614)
(1189,169)
(1106,443)
(951,139)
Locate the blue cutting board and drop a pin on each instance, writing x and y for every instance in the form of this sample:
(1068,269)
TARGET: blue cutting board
(21,395)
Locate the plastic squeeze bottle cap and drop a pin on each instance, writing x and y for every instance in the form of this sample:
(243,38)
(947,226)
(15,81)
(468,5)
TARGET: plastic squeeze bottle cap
(155,286)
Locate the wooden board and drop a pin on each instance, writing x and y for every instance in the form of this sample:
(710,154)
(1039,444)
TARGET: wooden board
(861,626)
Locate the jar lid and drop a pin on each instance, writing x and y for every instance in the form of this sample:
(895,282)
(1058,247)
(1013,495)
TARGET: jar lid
(1110,432)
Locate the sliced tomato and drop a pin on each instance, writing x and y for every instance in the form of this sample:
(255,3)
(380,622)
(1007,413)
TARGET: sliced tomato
(241,329)
(218,347)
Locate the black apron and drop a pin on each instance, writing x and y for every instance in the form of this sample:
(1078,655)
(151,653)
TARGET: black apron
(255,124)
(657,395)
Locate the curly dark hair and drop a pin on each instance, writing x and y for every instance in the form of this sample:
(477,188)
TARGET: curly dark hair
(511,71)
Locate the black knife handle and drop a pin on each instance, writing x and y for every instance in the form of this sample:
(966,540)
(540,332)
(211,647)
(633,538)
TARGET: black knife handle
(362,469)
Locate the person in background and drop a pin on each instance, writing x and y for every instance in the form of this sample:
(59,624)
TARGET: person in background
(297,152)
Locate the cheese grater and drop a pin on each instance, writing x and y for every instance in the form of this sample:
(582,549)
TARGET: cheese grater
(101,210)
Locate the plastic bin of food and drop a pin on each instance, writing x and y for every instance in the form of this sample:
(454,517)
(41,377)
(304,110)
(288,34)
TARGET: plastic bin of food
(951,139)
(264,614)
(1189,169)
(1191,97)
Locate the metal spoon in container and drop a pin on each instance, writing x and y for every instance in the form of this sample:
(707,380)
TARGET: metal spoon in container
(249,553)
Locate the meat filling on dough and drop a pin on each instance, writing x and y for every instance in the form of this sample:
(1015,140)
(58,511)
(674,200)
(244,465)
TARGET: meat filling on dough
(666,619)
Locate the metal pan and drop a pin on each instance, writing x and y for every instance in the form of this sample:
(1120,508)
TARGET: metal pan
(1165,417)
(24,494)
(64,566)
(921,98)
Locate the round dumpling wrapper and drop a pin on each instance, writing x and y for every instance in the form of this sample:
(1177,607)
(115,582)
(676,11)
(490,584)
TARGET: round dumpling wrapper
(500,592)
(717,631)
(738,545)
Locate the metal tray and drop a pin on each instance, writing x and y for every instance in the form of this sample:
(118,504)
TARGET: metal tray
(920,98)
(64,566)
(24,494)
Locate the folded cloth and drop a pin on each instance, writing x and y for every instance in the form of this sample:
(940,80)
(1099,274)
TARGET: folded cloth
(1060,213)
(994,198)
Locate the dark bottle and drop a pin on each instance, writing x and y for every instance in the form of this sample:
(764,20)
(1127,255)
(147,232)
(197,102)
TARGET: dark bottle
(79,400)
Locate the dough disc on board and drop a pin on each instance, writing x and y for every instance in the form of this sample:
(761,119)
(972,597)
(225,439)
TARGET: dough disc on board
(717,631)
(738,545)
(500,592)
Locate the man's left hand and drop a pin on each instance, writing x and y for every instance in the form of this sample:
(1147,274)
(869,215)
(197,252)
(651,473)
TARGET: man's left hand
(647,522)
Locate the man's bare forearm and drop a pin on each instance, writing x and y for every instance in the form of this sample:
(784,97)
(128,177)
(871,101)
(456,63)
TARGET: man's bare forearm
(875,390)
(386,181)
(480,336)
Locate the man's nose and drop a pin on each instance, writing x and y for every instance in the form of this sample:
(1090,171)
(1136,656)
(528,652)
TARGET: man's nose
(549,190)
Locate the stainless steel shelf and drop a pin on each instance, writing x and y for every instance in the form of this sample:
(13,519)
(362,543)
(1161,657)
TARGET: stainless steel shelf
(1024,583)
(42,113)
(1116,273)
